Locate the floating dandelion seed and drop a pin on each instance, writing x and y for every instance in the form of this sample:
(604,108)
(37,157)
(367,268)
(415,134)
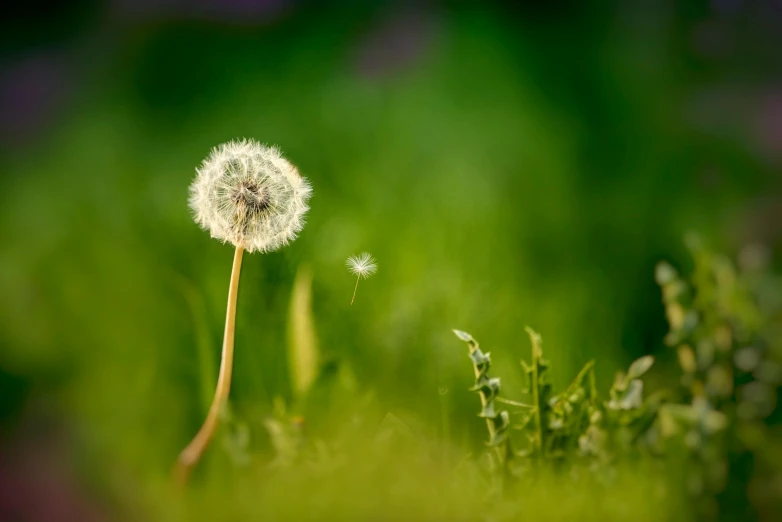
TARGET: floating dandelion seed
(248,195)
(362,266)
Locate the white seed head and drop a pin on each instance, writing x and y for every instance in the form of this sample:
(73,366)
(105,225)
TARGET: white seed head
(247,194)
(362,265)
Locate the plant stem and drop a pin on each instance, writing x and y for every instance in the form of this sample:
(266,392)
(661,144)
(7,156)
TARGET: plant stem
(446,422)
(513,403)
(592,386)
(588,369)
(537,354)
(484,400)
(190,456)
(354,290)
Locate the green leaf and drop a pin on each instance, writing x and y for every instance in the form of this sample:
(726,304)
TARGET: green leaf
(303,353)
(639,367)
(665,273)
(464,336)
(536,341)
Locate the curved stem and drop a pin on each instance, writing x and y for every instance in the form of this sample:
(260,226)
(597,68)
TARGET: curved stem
(190,456)
(354,290)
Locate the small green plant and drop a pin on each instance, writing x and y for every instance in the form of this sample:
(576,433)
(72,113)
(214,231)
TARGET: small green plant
(718,430)
(497,421)
(573,423)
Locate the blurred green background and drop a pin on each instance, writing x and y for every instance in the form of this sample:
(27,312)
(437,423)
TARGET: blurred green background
(507,163)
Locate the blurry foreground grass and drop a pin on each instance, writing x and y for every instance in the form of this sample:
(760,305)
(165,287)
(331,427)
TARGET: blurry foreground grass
(392,479)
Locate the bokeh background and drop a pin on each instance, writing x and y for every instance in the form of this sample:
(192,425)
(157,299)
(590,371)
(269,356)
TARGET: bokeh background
(507,163)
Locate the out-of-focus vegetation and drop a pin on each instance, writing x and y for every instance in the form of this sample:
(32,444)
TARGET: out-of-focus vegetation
(714,435)
(726,325)
(506,165)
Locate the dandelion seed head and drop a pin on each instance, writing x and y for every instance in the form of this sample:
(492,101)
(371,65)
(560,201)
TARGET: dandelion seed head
(362,265)
(247,194)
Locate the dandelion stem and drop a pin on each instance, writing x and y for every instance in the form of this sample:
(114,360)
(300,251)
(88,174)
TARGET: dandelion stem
(472,345)
(355,289)
(192,453)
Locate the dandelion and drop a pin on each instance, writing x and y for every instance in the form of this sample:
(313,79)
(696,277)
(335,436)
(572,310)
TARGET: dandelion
(248,195)
(362,266)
